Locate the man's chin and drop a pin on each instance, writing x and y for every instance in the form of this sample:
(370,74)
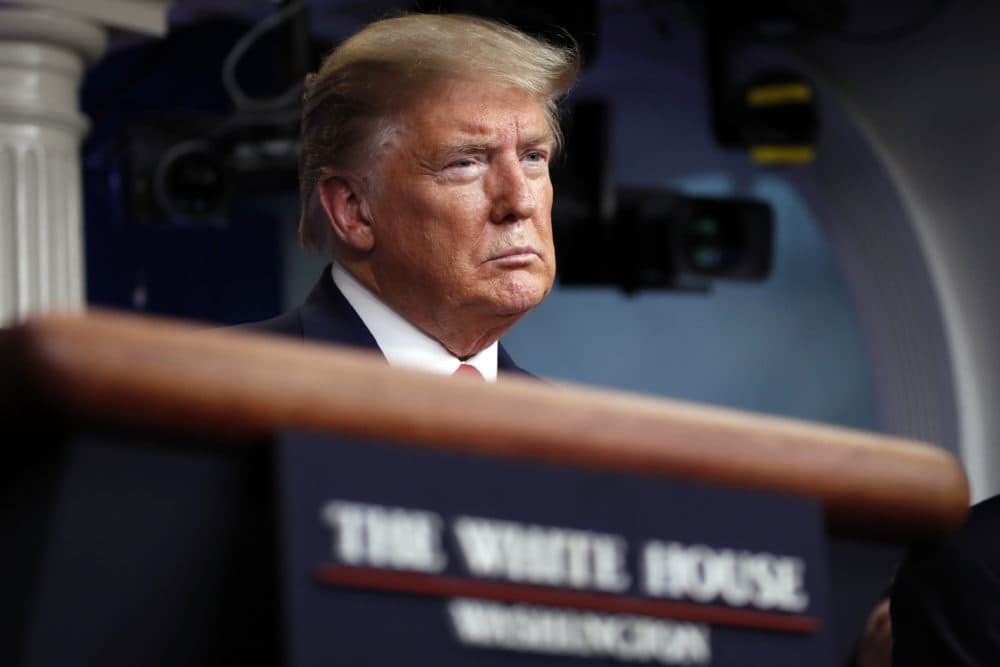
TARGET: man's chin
(521,299)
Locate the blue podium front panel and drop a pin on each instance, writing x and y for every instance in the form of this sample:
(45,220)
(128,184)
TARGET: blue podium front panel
(402,555)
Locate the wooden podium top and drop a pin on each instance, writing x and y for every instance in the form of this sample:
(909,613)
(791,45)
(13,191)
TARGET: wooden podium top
(122,370)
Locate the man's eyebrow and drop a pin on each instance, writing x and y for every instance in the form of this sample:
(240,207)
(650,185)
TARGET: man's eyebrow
(473,146)
(464,148)
(537,138)
(441,154)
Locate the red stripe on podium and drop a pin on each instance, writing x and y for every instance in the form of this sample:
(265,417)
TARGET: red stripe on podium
(444,586)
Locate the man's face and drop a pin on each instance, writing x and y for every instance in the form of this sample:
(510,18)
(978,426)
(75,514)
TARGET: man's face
(461,208)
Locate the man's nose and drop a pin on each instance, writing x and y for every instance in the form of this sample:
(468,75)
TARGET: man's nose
(512,194)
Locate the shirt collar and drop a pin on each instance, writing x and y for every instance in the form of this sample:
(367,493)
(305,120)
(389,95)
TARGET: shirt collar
(403,344)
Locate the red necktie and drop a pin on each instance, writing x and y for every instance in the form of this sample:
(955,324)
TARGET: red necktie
(469,371)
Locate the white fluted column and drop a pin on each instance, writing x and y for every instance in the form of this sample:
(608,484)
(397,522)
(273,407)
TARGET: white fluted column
(43,55)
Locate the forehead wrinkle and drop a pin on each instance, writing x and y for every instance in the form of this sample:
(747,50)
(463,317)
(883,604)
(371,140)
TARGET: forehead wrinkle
(488,121)
(481,127)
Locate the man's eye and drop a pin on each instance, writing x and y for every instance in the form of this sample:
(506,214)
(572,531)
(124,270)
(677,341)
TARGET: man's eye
(465,162)
(535,156)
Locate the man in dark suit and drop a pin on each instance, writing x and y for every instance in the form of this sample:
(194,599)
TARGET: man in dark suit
(426,146)
(945,599)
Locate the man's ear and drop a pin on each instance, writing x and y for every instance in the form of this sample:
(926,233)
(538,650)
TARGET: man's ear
(341,197)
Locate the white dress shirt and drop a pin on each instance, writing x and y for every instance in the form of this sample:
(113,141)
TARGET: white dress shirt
(403,344)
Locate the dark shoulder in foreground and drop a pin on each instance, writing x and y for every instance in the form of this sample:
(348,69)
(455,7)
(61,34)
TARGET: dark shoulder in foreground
(946,597)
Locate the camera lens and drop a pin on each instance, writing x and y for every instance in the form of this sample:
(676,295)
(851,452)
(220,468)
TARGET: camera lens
(710,247)
(191,182)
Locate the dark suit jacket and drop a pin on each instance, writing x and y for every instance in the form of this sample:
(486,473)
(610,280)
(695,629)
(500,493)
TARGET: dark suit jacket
(328,317)
(945,603)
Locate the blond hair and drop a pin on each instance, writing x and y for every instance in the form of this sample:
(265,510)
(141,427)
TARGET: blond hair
(350,104)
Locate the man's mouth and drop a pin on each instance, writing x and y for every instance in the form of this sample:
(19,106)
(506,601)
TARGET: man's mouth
(516,253)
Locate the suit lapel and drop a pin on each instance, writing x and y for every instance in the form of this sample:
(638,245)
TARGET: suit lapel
(506,365)
(327,316)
